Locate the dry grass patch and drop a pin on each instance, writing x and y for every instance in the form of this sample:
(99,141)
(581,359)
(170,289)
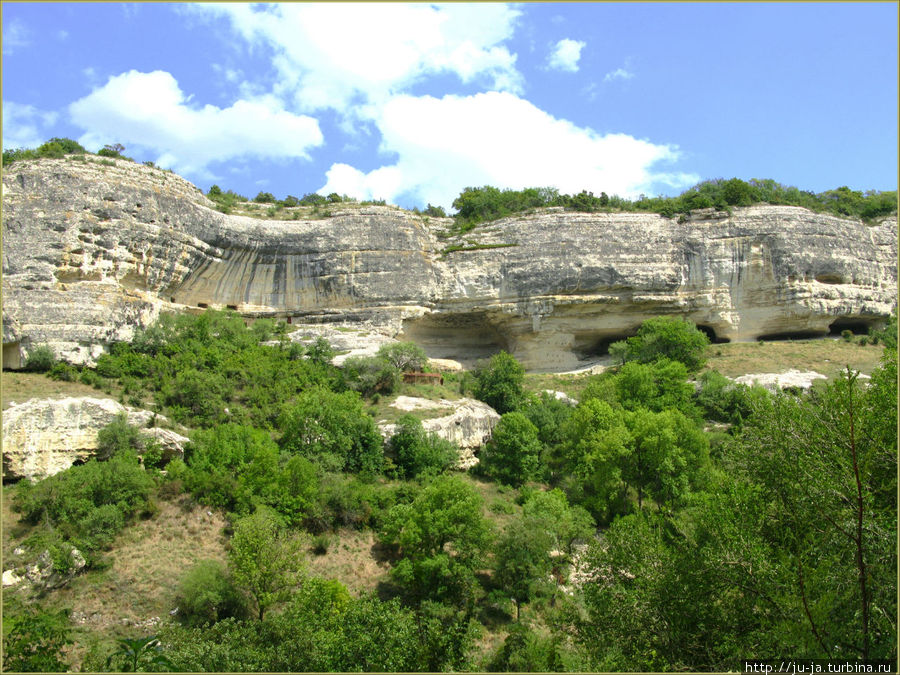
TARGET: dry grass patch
(144,568)
(20,387)
(353,559)
(826,356)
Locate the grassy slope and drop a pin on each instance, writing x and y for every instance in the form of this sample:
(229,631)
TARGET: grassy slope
(149,557)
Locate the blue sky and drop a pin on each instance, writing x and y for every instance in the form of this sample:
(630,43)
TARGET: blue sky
(413,102)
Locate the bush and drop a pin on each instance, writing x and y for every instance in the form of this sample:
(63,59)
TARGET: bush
(665,337)
(114,150)
(118,436)
(404,356)
(417,452)
(499,382)
(63,371)
(513,454)
(333,427)
(370,374)
(206,594)
(40,359)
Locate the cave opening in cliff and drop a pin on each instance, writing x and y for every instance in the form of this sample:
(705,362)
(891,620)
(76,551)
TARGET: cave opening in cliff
(855,325)
(466,338)
(594,345)
(12,356)
(711,334)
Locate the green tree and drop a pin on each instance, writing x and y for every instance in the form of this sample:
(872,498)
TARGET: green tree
(206,594)
(513,455)
(442,536)
(265,558)
(499,382)
(370,375)
(404,356)
(333,428)
(667,337)
(264,198)
(418,452)
(34,641)
(522,561)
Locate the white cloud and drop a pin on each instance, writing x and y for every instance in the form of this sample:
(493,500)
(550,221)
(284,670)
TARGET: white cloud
(565,55)
(618,74)
(496,138)
(24,126)
(15,34)
(332,55)
(149,110)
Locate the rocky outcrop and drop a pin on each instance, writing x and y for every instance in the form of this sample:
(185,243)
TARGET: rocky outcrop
(91,251)
(468,426)
(43,575)
(46,436)
(791,379)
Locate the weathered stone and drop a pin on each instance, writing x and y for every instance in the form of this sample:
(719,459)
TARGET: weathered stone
(792,379)
(561,396)
(10,578)
(42,575)
(468,427)
(81,271)
(42,437)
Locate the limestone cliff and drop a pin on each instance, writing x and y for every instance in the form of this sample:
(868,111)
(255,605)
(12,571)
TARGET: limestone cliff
(91,250)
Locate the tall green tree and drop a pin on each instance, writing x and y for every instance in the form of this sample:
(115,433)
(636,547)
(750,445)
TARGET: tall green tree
(266,559)
(499,382)
(512,456)
(442,537)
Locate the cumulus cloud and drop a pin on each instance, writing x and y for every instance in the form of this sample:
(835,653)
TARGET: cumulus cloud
(24,126)
(496,138)
(565,55)
(149,110)
(334,55)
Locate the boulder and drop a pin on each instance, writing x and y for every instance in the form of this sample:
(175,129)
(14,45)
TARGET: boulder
(468,426)
(791,379)
(43,575)
(42,437)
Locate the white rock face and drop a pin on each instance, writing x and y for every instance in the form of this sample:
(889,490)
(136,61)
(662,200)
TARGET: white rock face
(46,436)
(91,252)
(792,379)
(562,396)
(468,427)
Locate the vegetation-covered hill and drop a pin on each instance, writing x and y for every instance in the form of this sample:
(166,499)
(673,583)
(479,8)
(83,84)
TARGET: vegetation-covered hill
(671,520)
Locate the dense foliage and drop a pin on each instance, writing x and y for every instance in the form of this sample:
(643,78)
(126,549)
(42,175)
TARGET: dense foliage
(621,533)
(477,205)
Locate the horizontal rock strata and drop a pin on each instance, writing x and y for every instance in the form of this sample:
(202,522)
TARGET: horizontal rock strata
(92,251)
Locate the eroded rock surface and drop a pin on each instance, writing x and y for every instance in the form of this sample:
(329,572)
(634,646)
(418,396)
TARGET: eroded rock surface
(42,437)
(468,426)
(791,379)
(92,251)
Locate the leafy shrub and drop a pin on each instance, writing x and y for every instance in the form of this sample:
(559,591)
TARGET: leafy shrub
(73,500)
(118,436)
(34,640)
(333,427)
(114,150)
(370,375)
(63,371)
(40,359)
(417,452)
(512,456)
(404,356)
(666,337)
(499,382)
(207,594)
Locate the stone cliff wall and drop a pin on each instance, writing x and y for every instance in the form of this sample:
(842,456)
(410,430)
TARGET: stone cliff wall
(90,251)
